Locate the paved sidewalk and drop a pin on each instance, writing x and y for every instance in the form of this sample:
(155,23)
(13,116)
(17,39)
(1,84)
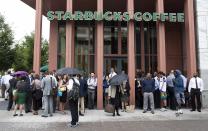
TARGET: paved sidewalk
(98,120)
(101,116)
(110,126)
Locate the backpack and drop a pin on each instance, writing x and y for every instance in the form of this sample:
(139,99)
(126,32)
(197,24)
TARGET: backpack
(73,94)
(21,86)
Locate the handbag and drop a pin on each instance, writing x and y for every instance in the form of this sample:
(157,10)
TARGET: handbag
(59,93)
(62,88)
(109,108)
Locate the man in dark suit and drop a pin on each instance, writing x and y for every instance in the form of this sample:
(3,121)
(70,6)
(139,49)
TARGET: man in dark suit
(12,83)
(28,102)
(82,94)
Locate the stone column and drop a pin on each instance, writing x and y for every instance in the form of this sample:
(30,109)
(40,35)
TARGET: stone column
(190,37)
(161,51)
(53,45)
(37,39)
(131,52)
(99,48)
(69,38)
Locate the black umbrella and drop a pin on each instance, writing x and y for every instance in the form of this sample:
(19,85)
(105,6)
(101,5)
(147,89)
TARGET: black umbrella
(118,79)
(68,71)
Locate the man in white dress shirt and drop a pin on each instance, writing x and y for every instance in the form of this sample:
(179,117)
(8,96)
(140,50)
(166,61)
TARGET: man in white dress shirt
(195,87)
(112,73)
(73,103)
(6,85)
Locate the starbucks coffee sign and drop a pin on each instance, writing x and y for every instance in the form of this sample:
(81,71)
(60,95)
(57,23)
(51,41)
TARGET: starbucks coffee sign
(115,16)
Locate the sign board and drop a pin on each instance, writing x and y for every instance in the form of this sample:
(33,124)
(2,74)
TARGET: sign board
(115,16)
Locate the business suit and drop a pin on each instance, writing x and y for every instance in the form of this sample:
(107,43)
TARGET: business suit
(13,83)
(195,88)
(28,102)
(48,83)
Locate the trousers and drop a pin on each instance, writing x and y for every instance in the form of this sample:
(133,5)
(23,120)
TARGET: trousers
(148,96)
(48,105)
(195,95)
(73,104)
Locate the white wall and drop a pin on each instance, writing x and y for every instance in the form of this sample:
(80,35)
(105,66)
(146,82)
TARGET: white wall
(202,33)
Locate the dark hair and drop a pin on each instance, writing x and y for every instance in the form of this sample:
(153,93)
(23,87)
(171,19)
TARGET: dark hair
(37,76)
(67,77)
(23,77)
(50,73)
(46,73)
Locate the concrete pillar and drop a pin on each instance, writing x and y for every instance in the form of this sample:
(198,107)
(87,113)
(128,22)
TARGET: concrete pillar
(37,39)
(131,52)
(53,45)
(161,51)
(69,38)
(190,37)
(99,48)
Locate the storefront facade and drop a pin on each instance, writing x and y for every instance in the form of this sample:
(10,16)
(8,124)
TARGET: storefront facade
(96,46)
(202,44)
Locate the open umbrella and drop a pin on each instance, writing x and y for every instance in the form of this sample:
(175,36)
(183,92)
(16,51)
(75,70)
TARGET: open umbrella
(20,73)
(44,68)
(118,79)
(69,71)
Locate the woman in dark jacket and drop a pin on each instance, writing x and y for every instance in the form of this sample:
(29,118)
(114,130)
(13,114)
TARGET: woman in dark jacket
(114,96)
(82,95)
(37,94)
(105,89)
(19,95)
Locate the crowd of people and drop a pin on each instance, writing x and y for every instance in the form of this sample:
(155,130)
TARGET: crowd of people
(173,91)
(50,92)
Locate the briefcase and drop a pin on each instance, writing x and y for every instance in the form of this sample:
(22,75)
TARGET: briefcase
(109,108)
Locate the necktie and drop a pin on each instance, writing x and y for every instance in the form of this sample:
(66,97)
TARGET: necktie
(196,83)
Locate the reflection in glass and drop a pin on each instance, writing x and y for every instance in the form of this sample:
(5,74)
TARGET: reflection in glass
(110,40)
(61,46)
(84,48)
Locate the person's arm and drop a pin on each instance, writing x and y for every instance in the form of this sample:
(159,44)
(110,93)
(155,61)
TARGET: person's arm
(153,85)
(60,83)
(109,91)
(95,82)
(70,85)
(56,83)
(42,84)
(156,85)
(89,82)
(190,85)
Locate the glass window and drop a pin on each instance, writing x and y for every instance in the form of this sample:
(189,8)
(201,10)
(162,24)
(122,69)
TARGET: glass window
(150,46)
(124,33)
(61,47)
(110,40)
(84,48)
(119,64)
